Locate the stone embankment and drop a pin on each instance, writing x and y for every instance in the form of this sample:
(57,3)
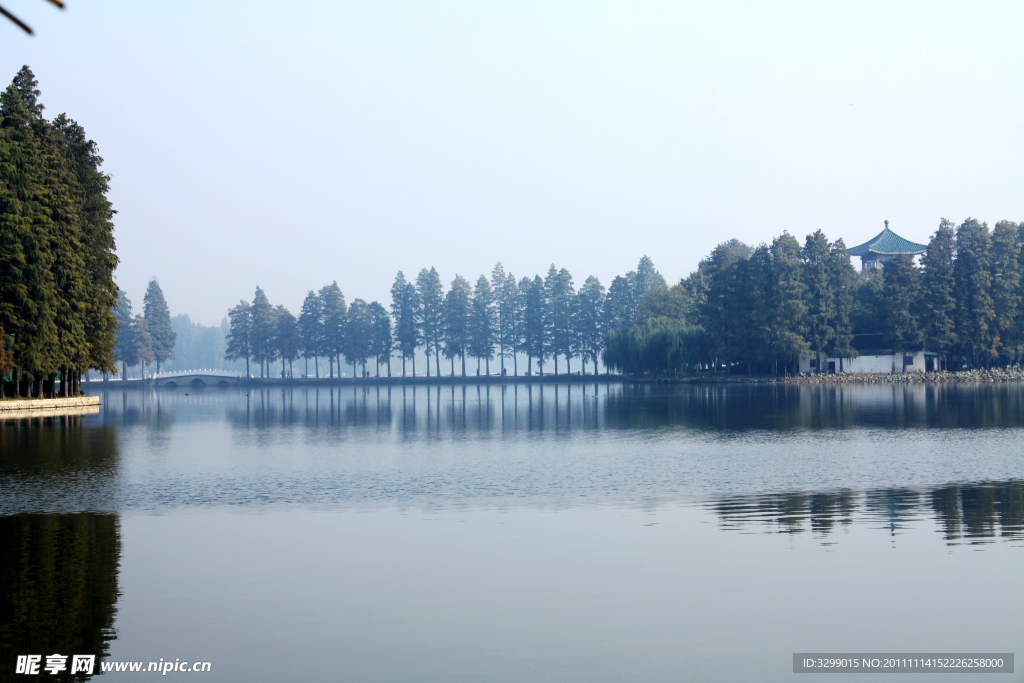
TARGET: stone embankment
(990,375)
(29,407)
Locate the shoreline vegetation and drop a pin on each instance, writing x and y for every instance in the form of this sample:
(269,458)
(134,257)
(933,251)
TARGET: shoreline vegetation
(745,312)
(1008,374)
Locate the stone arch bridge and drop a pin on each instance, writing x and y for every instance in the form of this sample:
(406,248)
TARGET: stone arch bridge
(196,379)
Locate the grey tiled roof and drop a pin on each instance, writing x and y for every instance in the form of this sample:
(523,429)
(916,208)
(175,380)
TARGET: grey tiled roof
(887,242)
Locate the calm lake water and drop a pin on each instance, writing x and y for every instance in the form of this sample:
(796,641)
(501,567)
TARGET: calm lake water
(571,532)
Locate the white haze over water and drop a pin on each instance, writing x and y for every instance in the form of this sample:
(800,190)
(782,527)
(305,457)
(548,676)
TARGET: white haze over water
(288,145)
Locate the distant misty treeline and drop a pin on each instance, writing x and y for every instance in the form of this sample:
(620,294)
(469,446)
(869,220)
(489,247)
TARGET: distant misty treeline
(57,255)
(497,319)
(172,342)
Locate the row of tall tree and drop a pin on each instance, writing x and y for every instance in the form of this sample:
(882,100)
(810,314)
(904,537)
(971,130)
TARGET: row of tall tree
(499,318)
(145,338)
(57,291)
(761,309)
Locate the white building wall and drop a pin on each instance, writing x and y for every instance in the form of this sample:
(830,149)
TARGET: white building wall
(879,365)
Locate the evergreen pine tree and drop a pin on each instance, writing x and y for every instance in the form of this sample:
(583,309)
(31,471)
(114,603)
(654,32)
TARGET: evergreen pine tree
(820,296)
(430,294)
(501,322)
(900,284)
(1006,297)
(482,324)
(359,335)
(647,278)
(334,312)
(787,303)
(239,342)
(286,339)
(563,309)
(458,309)
(512,312)
(589,320)
(938,304)
(536,322)
(406,310)
(96,236)
(841,274)
(972,275)
(311,331)
(383,345)
(28,291)
(123,335)
(263,328)
(158,323)
(621,304)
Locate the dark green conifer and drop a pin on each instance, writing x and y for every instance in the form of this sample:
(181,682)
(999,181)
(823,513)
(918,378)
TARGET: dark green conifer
(458,309)
(975,311)
(787,304)
(430,295)
(842,276)
(383,344)
(900,288)
(1006,297)
(589,320)
(158,322)
(482,324)
(239,342)
(311,331)
(821,311)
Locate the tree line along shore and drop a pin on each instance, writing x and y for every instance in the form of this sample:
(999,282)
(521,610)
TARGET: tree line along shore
(57,258)
(745,310)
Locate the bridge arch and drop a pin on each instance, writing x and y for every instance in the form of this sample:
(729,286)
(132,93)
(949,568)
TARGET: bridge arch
(198,384)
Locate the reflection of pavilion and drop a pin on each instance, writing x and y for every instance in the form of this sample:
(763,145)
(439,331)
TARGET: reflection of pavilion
(879,249)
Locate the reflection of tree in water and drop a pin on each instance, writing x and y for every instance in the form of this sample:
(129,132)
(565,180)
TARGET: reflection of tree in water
(788,512)
(976,512)
(58,586)
(784,407)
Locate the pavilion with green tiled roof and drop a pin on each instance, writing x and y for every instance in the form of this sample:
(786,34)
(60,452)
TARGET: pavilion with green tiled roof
(882,247)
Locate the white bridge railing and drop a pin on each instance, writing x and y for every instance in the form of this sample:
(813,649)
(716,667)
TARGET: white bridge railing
(208,372)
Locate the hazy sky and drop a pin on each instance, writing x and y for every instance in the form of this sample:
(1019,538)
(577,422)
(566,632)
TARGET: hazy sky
(291,144)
